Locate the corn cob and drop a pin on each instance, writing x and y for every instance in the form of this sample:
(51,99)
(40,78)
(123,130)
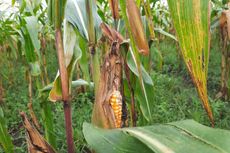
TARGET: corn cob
(116,104)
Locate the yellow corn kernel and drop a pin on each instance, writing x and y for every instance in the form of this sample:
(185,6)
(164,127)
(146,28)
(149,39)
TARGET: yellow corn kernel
(116,104)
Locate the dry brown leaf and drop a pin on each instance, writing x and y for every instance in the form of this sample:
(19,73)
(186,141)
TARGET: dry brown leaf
(113,4)
(136,26)
(225,58)
(111,34)
(36,143)
(225,21)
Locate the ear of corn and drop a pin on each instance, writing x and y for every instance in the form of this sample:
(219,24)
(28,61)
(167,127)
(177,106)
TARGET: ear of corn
(116,104)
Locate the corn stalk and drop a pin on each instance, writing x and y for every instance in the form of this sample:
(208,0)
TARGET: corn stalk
(92,45)
(225,58)
(59,13)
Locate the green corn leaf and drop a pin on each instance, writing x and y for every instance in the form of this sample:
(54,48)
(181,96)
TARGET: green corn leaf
(144,106)
(51,10)
(191,20)
(146,78)
(48,122)
(75,84)
(69,40)
(5,139)
(59,14)
(30,54)
(13,2)
(83,62)
(56,16)
(32,27)
(161,31)
(30,43)
(77,15)
(29,48)
(176,137)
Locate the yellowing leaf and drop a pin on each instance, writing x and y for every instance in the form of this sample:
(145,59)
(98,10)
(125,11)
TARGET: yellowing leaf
(191,20)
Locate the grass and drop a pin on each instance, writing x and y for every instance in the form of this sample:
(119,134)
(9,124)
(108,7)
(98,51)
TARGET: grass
(175,97)
(16,99)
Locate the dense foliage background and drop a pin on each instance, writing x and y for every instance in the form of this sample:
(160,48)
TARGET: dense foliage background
(175,96)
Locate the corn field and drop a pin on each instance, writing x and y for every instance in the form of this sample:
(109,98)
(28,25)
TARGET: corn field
(115,76)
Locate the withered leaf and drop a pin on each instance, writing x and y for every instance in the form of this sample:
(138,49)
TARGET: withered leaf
(225,21)
(113,4)
(36,143)
(136,26)
(191,19)
(111,33)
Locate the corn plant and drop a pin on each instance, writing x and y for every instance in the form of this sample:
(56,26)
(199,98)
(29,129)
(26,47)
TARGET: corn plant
(31,47)
(116,55)
(225,59)
(88,28)
(25,43)
(56,15)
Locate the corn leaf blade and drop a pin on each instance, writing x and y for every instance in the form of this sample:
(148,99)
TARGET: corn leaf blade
(175,137)
(76,14)
(5,139)
(191,20)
